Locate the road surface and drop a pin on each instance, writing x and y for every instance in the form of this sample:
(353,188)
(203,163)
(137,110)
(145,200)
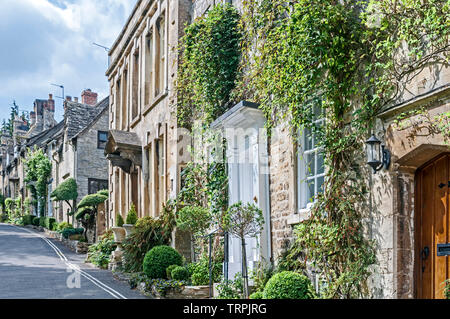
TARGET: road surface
(35,267)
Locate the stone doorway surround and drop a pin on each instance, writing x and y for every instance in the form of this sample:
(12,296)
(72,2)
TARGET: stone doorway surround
(408,155)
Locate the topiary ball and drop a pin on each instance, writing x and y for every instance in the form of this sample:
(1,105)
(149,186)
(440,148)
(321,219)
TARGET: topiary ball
(158,259)
(288,285)
(169,270)
(257,295)
(180,273)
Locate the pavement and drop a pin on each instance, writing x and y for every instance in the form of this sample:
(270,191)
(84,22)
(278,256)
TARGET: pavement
(33,266)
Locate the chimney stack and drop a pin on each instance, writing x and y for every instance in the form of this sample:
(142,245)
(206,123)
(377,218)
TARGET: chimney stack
(76,99)
(69,98)
(32,117)
(89,97)
(51,103)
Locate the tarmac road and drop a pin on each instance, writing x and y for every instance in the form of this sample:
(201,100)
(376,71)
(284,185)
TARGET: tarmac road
(35,267)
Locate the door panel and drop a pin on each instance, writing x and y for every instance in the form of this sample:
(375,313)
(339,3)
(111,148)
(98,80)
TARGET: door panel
(433,226)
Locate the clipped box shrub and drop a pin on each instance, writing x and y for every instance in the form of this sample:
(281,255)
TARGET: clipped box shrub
(288,285)
(64,225)
(48,222)
(158,259)
(132,216)
(179,273)
(27,219)
(36,221)
(72,231)
(257,295)
(169,271)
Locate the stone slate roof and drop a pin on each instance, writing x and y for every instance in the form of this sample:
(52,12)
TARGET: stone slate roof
(78,116)
(43,137)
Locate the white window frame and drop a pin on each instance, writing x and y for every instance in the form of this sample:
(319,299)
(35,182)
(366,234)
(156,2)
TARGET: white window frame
(304,204)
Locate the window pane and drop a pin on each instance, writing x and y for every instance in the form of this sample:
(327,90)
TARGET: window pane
(320,181)
(308,140)
(310,164)
(320,165)
(310,191)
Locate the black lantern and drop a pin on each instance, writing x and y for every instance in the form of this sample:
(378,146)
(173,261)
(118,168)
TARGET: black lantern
(377,155)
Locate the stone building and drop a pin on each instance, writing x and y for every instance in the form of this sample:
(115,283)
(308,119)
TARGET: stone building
(75,147)
(78,152)
(409,202)
(277,171)
(142,143)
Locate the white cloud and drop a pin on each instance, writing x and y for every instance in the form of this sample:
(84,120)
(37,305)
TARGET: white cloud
(50,41)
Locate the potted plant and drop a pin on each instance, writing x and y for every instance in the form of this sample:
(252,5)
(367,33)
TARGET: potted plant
(130,220)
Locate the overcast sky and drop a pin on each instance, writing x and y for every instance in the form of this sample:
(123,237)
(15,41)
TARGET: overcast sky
(50,41)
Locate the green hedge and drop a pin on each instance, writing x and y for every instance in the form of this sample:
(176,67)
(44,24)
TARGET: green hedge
(3,218)
(200,271)
(27,219)
(72,231)
(158,259)
(288,285)
(36,221)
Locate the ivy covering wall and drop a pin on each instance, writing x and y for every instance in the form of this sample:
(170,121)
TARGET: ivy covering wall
(350,58)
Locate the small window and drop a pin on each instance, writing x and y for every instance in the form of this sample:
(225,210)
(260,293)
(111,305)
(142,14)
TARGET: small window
(102,139)
(311,169)
(95,185)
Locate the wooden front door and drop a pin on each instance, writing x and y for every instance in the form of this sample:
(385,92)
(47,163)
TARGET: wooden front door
(432,204)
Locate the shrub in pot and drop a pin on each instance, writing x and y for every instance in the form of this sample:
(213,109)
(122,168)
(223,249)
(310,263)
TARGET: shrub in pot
(158,259)
(131,216)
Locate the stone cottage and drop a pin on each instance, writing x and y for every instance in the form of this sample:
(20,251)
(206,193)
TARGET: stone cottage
(74,146)
(78,152)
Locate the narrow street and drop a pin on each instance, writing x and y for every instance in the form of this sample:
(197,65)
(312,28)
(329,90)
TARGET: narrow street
(33,266)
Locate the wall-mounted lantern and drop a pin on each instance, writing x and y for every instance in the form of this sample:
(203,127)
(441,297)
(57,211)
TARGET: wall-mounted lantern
(378,156)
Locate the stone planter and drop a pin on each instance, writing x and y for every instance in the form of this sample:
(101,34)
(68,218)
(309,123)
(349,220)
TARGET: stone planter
(116,256)
(185,292)
(119,234)
(129,229)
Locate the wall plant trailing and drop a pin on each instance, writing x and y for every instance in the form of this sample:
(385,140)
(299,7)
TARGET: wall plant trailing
(209,65)
(210,56)
(37,173)
(351,59)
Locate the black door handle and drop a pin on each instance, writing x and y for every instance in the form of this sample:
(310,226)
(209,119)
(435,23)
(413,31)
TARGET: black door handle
(425,252)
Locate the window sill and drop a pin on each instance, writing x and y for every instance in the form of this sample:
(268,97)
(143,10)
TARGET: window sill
(135,121)
(301,215)
(154,102)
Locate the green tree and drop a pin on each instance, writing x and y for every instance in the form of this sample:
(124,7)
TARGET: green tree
(38,170)
(244,220)
(87,212)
